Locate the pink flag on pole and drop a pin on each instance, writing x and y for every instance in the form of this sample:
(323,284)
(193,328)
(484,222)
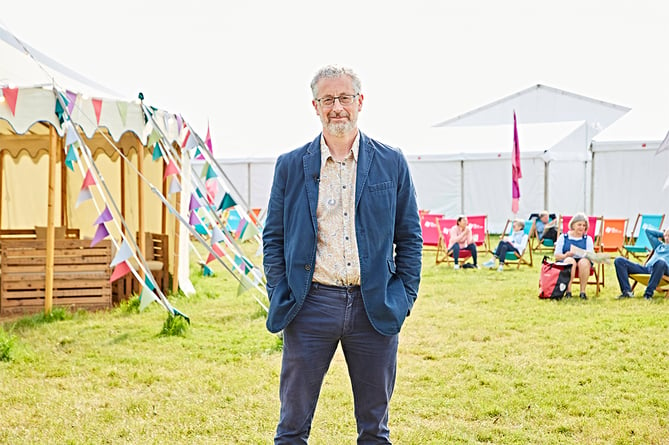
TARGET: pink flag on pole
(516,174)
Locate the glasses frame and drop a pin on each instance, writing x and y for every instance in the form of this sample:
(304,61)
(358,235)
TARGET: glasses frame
(352,96)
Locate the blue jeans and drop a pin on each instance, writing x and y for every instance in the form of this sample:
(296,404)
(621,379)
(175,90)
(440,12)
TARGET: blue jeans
(330,316)
(502,248)
(625,267)
(455,248)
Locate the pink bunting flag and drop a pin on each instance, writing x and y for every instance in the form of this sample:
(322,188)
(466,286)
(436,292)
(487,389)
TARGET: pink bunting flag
(97,105)
(216,248)
(88,180)
(171,169)
(100,234)
(71,100)
(212,190)
(11,94)
(119,271)
(207,140)
(104,216)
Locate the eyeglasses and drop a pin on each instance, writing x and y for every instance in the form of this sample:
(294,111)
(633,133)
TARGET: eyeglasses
(344,99)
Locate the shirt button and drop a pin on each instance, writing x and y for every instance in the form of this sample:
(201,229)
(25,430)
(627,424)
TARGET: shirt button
(307,267)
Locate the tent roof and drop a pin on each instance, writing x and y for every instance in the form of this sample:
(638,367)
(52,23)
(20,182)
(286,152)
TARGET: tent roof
(541,103)
(39,79)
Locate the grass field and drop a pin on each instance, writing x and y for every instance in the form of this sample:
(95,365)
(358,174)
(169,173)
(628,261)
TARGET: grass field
(482,361)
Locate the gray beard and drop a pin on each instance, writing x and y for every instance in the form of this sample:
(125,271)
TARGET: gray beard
(339,129)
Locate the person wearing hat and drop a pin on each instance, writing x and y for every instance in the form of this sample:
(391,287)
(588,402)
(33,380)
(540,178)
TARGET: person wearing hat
(577,236)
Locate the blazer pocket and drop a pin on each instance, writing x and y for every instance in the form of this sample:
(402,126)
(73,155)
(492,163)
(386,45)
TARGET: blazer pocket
(381,186)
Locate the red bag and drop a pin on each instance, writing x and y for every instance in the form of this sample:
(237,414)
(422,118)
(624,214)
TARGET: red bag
(554,279)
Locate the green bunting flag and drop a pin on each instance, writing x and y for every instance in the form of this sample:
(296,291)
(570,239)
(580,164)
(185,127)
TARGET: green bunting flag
(226,202)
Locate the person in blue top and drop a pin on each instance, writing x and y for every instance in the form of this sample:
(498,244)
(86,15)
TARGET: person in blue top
(577,236)
(546,227)
(515,242)
(657,265)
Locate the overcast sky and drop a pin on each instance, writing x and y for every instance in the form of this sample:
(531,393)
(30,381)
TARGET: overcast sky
(245,66)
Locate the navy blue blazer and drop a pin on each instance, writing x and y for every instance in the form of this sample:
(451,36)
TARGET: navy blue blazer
(387,227)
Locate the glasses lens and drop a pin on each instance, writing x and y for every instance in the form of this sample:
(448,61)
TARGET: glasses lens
(346,100)
(327,101)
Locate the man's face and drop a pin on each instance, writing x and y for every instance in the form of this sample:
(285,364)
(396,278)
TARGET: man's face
(544,218)
(338,120)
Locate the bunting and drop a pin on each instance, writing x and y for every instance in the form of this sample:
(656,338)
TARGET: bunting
(100,233)
(71,101)
(120,271)
(97,106)
(11,95)
(226,202)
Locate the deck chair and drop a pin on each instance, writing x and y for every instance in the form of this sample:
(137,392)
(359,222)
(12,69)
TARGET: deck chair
(641,248)
(445,225)
(512,257)
(611,239)
(545,245)
(643,278)
(479,226)
(595,273)
(430,232)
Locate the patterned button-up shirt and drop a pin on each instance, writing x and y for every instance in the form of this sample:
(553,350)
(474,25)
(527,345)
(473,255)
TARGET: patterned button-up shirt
(337,262)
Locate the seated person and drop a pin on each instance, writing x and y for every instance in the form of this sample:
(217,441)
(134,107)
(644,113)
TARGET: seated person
(657,265)
(577,236)
(512,243)
(460,237)
(546,228)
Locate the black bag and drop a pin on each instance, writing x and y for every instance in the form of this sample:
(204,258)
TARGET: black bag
(553,279)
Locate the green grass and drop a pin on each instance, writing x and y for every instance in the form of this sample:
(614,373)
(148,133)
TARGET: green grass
(482,361)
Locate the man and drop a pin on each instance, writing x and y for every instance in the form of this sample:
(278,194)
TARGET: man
(546,228)
(657,265)
(342,255)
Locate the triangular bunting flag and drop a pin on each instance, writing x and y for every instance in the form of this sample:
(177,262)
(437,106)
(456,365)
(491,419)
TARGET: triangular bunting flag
(171,169)
(71,157)
(206,271)
(175,187)
(146,297)
(244,285)
(11,95)
(149,283)
(71,100)
(194,203)
(250,231)
(104,216)
(216,235)
(240,228)
(84,195)
(153,137)
(201,229)
(194,219)
(210,173)
(119,271)
(198,154)
(156,151)
(88,180)
(217,249)
(72,136)
(60,108)
(207,140)
(97,106)
(189,142)
(124,253)
(122,107)
(226,202)
(100,234)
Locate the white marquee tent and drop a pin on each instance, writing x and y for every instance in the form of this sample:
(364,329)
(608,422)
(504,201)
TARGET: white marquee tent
(463,165)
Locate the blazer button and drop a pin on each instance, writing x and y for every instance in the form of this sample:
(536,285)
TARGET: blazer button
(307,267)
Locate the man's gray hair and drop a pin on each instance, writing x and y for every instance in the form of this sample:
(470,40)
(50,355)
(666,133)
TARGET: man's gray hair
(332,72)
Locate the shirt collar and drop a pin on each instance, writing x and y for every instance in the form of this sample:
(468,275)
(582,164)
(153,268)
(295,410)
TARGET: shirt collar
(325,150)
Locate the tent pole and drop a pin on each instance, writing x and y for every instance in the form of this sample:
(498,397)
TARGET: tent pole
(64,220)
(123,213)
(175,263)
(50,230)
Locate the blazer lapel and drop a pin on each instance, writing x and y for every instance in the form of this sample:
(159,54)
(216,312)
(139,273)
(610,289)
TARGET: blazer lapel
(311,162)
(365,157)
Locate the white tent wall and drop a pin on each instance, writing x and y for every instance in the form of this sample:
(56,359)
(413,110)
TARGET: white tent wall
(629,179)
(438,185)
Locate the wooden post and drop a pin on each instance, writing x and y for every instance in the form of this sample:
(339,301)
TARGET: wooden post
(175,263)
(140,207)
(64,217)
(50,229)
(2,180)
